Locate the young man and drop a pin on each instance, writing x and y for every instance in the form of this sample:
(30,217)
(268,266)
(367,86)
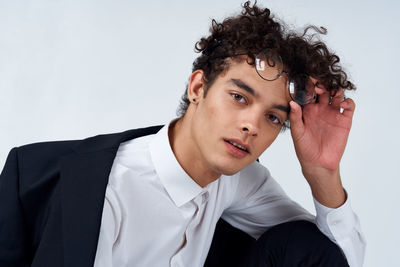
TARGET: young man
(153,197)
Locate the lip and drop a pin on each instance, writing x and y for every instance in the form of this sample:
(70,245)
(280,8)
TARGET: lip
(235,151)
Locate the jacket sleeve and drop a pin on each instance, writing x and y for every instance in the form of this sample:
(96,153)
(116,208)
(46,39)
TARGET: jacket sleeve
(13,235)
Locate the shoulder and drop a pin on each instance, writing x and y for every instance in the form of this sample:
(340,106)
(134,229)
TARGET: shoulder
(36,160)
(257,172)
(43,151)
(255,178)
(52,150)
(253,175)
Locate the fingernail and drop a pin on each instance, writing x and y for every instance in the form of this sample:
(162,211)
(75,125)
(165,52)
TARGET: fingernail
(292,106)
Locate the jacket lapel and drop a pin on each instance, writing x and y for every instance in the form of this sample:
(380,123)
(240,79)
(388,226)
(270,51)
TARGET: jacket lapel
(84,177)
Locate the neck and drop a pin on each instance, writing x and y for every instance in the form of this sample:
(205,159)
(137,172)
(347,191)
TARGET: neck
(188,154)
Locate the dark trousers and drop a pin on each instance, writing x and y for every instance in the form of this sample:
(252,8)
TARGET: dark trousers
(291,244)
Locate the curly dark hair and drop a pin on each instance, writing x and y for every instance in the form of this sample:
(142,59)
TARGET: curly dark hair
(255,30)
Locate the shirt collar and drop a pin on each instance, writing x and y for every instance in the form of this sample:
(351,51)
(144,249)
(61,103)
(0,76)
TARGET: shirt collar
(179,185)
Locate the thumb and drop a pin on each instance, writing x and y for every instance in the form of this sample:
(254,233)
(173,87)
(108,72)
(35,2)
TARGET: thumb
(296,120)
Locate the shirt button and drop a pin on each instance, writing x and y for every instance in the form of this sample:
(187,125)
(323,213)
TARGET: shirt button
(335,222)
(205,197)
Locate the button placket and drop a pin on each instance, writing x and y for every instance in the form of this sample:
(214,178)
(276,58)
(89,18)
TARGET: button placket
(205,197)
(188,210)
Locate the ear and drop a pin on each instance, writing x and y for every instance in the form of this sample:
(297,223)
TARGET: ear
(196,85)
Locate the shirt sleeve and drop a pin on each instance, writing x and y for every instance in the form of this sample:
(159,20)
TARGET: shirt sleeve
(260,204)
(342,226)
(109,230)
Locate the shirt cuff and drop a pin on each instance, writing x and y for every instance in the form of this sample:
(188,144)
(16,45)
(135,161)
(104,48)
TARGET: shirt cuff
(335,223)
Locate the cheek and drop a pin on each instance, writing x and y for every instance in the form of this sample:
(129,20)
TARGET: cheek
(206,120)
(268,139)
(212,111)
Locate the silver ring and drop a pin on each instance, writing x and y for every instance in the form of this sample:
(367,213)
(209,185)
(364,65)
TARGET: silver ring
(330,100)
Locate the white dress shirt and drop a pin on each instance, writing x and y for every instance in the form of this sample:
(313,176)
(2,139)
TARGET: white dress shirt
(156,215)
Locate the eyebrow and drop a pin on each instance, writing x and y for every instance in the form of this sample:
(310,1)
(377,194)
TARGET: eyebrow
(239,83)
(283,108)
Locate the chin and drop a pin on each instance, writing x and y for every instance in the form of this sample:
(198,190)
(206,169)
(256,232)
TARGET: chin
(227,170)
(228,165)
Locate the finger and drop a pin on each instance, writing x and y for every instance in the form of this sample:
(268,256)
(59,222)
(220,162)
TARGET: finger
(319,90)
(322,93)
(338,98)
(348,107)
(296,119)
(317,84)
(323,96)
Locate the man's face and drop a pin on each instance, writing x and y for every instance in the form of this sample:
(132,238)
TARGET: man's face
(239,118)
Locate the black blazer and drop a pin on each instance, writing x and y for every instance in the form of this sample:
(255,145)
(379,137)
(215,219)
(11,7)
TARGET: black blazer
(51,200)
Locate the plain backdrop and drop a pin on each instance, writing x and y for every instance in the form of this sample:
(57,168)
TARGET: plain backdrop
(76,68)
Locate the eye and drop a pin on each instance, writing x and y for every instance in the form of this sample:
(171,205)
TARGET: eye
(274,119)
(239,98)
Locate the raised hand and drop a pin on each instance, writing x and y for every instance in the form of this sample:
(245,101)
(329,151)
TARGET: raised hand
(320,132)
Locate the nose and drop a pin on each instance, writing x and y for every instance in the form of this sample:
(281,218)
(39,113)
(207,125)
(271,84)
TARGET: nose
(250,125)
(249,130)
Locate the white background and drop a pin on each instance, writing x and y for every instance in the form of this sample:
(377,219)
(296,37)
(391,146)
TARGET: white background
(71,69)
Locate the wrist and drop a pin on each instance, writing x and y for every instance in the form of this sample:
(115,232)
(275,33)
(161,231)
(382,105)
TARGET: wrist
(326,187)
